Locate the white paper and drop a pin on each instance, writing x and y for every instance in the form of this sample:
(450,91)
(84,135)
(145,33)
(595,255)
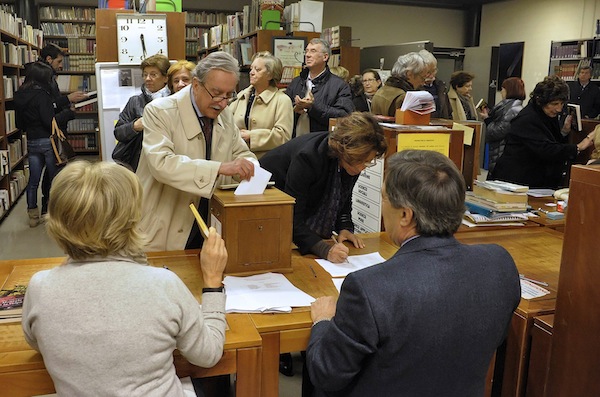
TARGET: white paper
(338,283)
(257,184)
(540,192)
(530,290)
(355,262)
(420,102)
(268,292)
(471,224)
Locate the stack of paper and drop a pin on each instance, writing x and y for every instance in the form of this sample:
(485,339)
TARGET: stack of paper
(354,263)
(420,102)
(268,292)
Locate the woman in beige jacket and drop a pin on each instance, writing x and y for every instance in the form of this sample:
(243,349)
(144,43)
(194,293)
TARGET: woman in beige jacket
(264,114)
(459,95)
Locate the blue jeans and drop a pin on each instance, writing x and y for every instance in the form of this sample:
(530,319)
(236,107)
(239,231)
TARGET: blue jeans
(40,156)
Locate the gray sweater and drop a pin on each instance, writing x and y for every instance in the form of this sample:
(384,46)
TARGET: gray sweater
(108,327)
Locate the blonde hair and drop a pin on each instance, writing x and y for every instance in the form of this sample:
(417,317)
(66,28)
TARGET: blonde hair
(340,72)
(95,211)
(273,66)
(175,68)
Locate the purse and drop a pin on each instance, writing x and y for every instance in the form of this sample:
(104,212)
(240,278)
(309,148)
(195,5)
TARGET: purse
(128,153)
(63,151)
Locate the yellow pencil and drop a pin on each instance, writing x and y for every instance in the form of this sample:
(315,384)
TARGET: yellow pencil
(203,227)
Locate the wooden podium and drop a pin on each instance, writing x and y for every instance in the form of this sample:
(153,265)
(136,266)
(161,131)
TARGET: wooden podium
(257,230)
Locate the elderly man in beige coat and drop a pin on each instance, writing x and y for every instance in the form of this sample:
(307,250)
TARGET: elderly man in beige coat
(191,146)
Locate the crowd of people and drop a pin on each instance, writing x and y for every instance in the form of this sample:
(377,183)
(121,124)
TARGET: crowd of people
(189,131)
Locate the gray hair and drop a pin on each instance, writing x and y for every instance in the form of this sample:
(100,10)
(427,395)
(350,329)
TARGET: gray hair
(324,44)
(428,58)
(273,66)
(411,62)
(216,60)
(430,184)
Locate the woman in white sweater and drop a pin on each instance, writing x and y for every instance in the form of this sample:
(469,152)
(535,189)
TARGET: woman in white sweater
(105,322)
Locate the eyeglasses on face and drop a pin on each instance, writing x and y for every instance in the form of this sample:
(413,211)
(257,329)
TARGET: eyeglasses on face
(313,51)
(371,163)
(368,81)
(152,75)
(218,98)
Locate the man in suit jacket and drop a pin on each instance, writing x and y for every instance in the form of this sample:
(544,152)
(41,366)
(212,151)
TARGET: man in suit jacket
(427,321)
(190,146)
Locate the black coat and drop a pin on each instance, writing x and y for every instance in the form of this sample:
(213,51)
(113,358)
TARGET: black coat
(301,168)
(35,109)
(129,139)
(425,323)
(498,127)
(332,99)
(536,153)
(588,98)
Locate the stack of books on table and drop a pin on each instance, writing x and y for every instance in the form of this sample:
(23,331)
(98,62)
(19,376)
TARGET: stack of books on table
(497,200)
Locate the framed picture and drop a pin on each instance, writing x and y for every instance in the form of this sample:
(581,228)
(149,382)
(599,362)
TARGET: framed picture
(290,50)
(247,53)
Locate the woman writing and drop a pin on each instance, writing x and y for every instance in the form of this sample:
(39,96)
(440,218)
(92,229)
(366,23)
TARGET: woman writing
(34,107)
(105,322)
(264,115)
(129,129)
(537,153)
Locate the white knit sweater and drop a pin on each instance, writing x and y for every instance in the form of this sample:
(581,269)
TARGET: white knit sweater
(108,327)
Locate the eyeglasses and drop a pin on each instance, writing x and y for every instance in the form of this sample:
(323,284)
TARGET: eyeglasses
(218,98)
(368,81)
(371,163)
(152,75)
(313,51)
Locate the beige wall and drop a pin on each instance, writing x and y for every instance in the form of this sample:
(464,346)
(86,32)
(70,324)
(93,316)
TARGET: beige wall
(379,24)
(537,23)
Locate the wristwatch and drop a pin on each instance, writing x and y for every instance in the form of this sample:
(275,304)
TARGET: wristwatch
(218,289)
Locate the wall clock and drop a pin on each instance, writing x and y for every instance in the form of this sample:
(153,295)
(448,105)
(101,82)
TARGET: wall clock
(139,36)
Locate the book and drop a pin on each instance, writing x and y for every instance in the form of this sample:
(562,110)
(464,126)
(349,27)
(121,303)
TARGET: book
(512,187)
(574,111)
(483,209)
(495,206)
(482,104)
(497,218)
(497,194)
(13,291)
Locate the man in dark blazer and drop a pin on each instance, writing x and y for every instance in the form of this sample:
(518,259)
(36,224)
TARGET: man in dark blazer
(426,322)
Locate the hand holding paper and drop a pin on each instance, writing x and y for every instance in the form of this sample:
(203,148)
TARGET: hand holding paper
(257,184)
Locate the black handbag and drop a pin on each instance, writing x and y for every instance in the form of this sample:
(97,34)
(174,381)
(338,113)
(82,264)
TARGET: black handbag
(128,153)
(63,151)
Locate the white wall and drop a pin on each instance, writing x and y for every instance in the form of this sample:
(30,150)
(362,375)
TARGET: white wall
(537,23)
(381,24)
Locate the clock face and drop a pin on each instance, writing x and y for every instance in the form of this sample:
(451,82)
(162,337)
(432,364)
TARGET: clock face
(139,36)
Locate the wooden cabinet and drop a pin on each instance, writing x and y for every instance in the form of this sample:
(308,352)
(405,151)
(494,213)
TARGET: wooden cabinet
(348,57)
(74,30)
(257,230)
(539,357)
(19,44)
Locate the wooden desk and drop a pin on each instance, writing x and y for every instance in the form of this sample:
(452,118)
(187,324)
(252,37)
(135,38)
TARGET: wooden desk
(543,220)
(537,253)
(22,371)
(290,332)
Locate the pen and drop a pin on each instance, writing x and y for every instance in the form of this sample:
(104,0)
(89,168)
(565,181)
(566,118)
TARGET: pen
(313,271)
(334,236)
(522,277)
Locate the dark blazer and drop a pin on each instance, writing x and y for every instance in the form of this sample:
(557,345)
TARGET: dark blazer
(124,132)
(587,97)
(536,154)
(333,98)
(301,168)
(425,323)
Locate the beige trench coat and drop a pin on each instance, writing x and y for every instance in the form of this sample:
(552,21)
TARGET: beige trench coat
(173,170)
(458,111)
(271,118)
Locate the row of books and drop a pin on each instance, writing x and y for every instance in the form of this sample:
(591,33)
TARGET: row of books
(92,107)
(68,29)
(582,49)
(82,125)
(83,142)
(69,13)
(195,32)
(79,63)
(16,150)
(18,182)
(206,17)
(496,201)
(73,44)
(10,121)
(19,27)
(17,54)
(10,85)
(71,82)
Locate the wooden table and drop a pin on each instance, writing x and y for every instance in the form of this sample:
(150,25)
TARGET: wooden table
(537,254)
(22,371)
(290,332)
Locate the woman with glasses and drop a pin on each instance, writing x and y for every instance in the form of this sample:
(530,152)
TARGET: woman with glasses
(264,115)
(319,170)
(370,84)
(408,74)
(129,129)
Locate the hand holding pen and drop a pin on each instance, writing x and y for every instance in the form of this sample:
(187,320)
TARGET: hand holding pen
(339,252)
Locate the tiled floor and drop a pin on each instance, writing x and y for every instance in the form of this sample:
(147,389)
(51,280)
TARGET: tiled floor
(19,241)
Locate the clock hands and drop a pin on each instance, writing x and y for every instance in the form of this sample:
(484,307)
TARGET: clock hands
(143,45)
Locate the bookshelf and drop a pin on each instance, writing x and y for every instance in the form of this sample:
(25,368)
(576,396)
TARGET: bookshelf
(197,28)
(73,28)
(567,56)
(19,44)
(342,52)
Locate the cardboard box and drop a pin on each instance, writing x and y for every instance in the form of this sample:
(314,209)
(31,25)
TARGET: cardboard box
(257,230)
(409,117)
